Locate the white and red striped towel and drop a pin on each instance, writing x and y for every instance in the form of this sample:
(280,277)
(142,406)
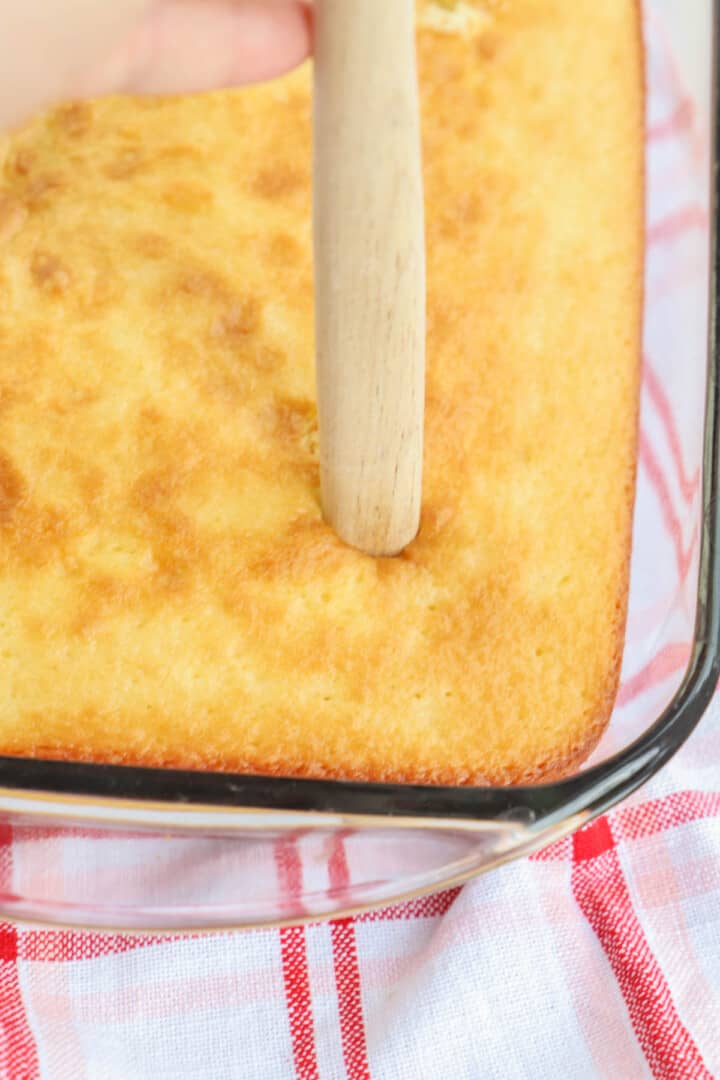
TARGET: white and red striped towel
(600,957)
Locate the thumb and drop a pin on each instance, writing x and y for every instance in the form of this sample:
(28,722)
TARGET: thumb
(190,45)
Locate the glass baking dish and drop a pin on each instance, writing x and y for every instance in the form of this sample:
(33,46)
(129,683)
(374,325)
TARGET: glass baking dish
(162,850)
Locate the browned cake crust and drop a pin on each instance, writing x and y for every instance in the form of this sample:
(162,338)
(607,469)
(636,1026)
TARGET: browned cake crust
(169,593)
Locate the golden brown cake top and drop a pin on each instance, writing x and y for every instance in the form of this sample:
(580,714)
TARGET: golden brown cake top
(169,593)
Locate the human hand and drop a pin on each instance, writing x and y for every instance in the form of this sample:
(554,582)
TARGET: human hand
(52,50)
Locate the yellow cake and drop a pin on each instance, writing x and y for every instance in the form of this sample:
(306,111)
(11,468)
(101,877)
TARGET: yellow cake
(169,593)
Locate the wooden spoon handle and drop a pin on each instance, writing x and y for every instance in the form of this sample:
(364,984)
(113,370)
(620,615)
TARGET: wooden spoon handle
(369,271)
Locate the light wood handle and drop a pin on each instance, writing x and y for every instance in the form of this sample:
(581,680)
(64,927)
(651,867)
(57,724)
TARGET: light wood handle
(369,271)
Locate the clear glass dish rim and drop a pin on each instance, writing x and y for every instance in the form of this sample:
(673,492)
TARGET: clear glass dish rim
(150,797)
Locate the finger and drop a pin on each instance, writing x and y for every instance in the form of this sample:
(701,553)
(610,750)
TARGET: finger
(46,44)
(191,45)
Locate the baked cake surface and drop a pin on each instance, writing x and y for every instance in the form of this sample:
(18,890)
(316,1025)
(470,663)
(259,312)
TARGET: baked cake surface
(169,593)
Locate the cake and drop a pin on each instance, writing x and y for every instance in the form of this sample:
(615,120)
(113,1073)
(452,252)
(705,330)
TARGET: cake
(169,593)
